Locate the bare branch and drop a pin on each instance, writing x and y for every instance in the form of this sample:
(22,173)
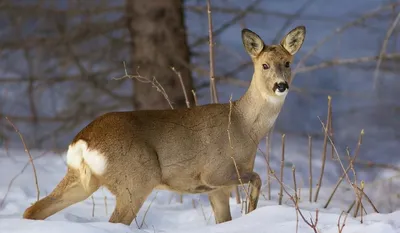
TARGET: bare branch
(226,25)
(213,89)
(29,155)
(383,49)
(319,184)
(343,28)
(183,86)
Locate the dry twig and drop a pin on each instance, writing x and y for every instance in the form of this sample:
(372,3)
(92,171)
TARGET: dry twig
(30,156)
(93,205)
(310,166)
(3,200)
(347,169)
(268,157)
(195,98)
(383,49)
(324,150)
(183,86)
(147,210)
(213,89)
(296,197)
(311,223)
(231,146)
(340,227)
(282,164)
(339,30)
(153,82)
(347,177)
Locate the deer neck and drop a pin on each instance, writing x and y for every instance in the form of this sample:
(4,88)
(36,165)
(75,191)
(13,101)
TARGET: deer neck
(258,110)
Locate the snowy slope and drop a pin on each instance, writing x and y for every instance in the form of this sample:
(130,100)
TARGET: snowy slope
(166,214)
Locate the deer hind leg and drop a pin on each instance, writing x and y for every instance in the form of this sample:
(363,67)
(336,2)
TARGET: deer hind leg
(131,188)
(128,204)
(219,200)
(69,191)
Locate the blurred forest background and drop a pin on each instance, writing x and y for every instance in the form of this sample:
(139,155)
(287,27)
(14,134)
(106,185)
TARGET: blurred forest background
(59,60)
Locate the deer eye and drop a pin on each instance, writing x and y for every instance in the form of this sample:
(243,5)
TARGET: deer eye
(287,64)
(265,66)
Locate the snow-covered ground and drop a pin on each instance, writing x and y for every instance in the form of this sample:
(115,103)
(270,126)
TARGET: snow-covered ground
(163,212)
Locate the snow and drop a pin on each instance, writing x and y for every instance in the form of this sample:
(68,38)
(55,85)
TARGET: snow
(162,212)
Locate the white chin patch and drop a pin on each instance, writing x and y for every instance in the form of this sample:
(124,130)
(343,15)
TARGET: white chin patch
(278,93)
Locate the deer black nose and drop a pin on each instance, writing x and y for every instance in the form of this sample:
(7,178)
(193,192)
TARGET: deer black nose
(281,87)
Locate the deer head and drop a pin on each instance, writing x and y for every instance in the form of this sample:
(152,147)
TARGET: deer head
(272,72)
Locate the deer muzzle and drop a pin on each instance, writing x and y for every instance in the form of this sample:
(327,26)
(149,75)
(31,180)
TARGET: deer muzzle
(280,88)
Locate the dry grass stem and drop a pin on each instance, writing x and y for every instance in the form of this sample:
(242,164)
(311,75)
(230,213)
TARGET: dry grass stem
(193,204)
(3,200)
(347,177)
(187,105)
(296,196)
(348,25)
(159,88)
(142,79)
(361,196)
(358,203)
(195,98)
(130,202)
(383,49)
(93,205)
(368,199)
(147,210)
(379,165)
(351,164)
(310,166)
(346,61)
(29,155)
(330,131)
(311,223)
(347,169)
(282,167)
(202,211)
(268,157)
(237,195)
(336,187)
(351,206)
(105,204)
(105,201)
(213,89)
(341,226)
(183,86)
(319,184)
(230,145)
(239,16)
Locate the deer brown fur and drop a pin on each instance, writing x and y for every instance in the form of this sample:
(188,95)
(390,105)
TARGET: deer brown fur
(182,150)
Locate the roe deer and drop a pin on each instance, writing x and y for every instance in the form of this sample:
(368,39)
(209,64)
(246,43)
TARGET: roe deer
(181,150)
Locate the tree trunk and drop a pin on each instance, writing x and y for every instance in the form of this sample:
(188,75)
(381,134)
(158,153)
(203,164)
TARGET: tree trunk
(158,42)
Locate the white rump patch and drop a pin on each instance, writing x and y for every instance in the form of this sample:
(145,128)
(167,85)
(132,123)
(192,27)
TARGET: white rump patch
(79,153)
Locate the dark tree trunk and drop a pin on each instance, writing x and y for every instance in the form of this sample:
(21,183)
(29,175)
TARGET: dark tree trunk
(158,42)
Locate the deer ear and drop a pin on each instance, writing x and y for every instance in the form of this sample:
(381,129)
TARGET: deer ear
(293,41)
(252,42)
